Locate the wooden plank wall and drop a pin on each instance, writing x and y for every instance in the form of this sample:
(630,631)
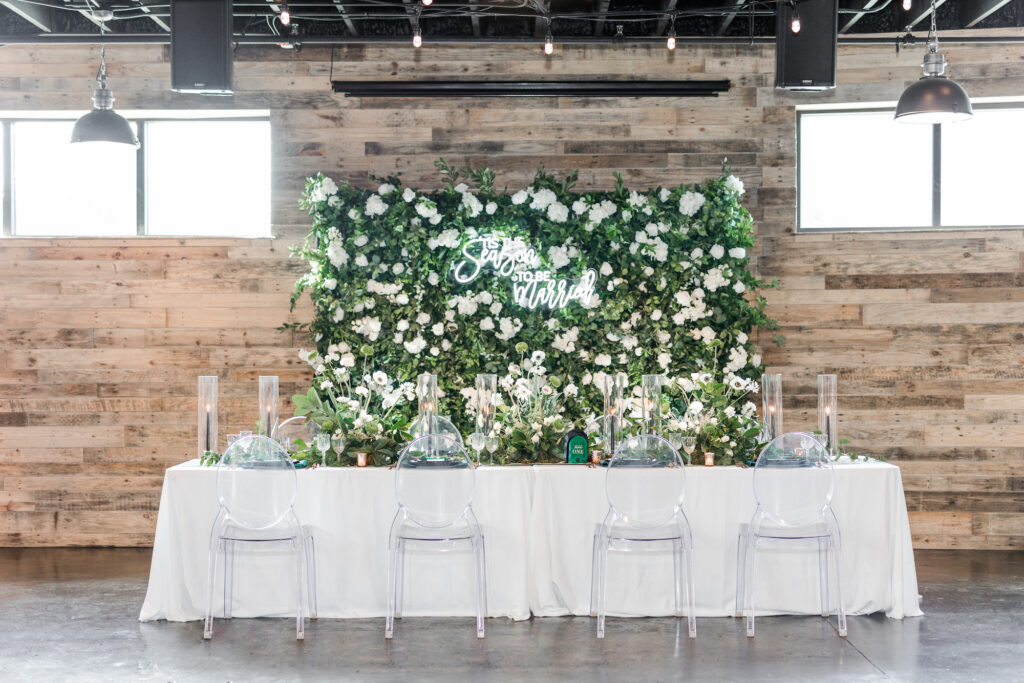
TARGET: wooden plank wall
(101,340)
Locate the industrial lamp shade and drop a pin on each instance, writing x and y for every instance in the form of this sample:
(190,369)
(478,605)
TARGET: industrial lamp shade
(104,125)
(934,99)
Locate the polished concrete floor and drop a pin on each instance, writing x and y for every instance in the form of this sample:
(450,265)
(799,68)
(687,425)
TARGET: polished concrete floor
(71,614)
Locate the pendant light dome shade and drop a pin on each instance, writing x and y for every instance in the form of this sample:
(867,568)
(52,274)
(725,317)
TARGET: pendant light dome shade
(934,98)
(103,124)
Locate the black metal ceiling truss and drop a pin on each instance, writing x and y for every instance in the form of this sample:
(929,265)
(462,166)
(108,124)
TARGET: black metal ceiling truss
(499,20)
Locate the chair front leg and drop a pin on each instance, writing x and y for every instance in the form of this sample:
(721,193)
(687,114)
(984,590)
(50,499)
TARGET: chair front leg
(836,543)
(741,571)
(229,576)
(691,596)
(750,580)
(824,548)
(481,584)
(400,578)
(211,576)
(394,541)
(299,550)
(593,577)
(311,576)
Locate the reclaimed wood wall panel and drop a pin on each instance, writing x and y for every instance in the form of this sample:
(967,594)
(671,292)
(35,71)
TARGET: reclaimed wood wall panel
(101,340)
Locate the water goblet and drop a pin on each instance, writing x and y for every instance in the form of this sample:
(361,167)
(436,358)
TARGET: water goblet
(689,446)
(492,446)
(478,441)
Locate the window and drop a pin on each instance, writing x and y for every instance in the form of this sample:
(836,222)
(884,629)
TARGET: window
(191,176)
(860,170)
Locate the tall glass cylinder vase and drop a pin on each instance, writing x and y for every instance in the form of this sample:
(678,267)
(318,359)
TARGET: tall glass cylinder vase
(486,387)
(771,405)
(426,393)
(614,390)
(269,402)
(827,419)
(651,386)
(207,414)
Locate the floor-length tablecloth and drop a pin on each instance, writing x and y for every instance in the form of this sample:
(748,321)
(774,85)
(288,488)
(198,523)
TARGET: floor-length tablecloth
(538,523)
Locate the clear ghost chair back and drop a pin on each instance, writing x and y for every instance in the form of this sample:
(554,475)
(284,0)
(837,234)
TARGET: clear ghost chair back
(434,480)
(293,429)
(793,479)
(256,482)
(442,426)
(646,481)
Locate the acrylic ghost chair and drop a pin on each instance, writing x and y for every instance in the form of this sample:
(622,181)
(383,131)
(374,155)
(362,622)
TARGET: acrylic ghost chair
(434,485)
(289,432)
(256,488)
(645,484)
(793,484)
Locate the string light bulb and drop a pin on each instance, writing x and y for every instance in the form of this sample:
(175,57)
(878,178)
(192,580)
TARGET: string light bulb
(549,44)
(907,4)
(670,43)
(417,37)
(794,24)
(428,3)
(286,15)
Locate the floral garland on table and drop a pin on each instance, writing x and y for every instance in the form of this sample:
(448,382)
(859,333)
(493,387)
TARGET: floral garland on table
(716,411)
(454,281)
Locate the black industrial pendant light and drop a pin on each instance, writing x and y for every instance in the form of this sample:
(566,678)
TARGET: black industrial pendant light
(103,124)
(934,98)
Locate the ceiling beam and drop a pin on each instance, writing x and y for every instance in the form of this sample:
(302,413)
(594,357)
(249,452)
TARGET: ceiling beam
(857,16)
(729,18)
(475,20)
(973,12)
(38,15)
(349,24)
(668,6)
(925,14)
(602,9)
(154,18)
(541,24)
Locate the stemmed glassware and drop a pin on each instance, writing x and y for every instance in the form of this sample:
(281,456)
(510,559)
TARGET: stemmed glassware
(687,444)
(492,446)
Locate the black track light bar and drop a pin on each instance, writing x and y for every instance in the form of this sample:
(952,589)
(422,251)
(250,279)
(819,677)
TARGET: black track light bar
(530,88)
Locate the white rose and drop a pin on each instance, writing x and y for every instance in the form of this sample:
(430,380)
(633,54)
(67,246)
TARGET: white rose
(487,324)
(718,251)
(385,188)
(434,351)
(408,195)
(491,208)
(330,283)
(519,197)
(739,287)
(734,184)
(361,240)
(656,314)
(606,269)
(737,252)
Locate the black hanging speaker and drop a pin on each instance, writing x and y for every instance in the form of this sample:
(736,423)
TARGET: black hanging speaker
(806,60)
(201,46)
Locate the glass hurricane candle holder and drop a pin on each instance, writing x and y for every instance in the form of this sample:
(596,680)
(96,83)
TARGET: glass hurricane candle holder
(269,401)
(651,386)
(426,393)
(486,387)
(207,414)
(771,405)
(614,390)
(828,423)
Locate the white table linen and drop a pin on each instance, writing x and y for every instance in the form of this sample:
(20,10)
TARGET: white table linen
(538,523)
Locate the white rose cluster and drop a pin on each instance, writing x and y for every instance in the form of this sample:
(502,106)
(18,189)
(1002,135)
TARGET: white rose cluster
(690,203)
(323,190)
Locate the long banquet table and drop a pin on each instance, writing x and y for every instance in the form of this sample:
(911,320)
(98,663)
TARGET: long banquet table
(538,523)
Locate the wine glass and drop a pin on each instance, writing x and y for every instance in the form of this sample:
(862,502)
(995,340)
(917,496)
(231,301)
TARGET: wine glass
(492,446)
(689,446)
(478,441)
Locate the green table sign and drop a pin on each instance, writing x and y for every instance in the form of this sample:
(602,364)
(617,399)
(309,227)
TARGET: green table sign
(576,447)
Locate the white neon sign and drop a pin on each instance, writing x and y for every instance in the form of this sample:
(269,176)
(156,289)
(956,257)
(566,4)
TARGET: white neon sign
(532,287)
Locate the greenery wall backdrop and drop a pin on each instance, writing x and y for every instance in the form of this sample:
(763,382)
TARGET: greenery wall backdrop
(539,282)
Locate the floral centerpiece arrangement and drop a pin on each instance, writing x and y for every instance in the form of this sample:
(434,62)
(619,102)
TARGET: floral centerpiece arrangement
(354,412)
(530,411)
(715,409)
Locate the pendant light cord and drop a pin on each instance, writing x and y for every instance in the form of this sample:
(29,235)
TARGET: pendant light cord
(933,35)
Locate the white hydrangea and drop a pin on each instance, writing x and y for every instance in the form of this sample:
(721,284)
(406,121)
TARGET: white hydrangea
(422,318)
(408,195)
(375,206)
(519,197)
(385,188)
(566,342)
(339,314)
(367,327)
(437,329)
(323,190)
(579,207)
(362,261)
(739,288)
(606,269)
(474,205)
(433,278)
(330,283)
(487,324)
(416,345)
(402,325)
(690,203)
(509,328)
(360,240)
(737,359)
(717,251)
(714,279)
(336,254)
(738,252)
(496,308)
(558,212)
(603,359)
(734,184)
(664,194)
(426,208)
(491,208)
(558,257)
(664,360)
